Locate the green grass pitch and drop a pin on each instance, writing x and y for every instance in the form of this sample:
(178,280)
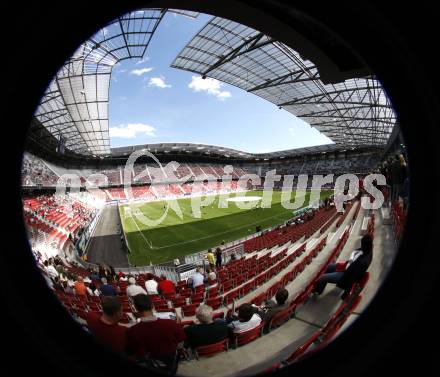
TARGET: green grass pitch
(175,237)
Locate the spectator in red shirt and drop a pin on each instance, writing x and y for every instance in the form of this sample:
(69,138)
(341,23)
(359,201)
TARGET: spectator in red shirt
(154,340)
(105,328)
(165,286)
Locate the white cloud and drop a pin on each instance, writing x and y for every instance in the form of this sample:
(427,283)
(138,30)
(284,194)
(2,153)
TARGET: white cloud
(211,86)
(143,60)
(159,82)
(140,72)
(131,130)
(292,131)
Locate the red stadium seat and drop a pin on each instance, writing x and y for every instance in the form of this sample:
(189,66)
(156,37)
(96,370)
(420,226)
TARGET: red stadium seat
(245,337)
(189,310)
(212,349)
(279,318)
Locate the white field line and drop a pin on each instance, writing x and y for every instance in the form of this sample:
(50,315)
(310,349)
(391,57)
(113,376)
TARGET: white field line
(202,238)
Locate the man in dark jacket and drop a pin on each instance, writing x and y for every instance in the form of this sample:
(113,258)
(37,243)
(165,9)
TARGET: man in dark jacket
(209,331)
(355,268)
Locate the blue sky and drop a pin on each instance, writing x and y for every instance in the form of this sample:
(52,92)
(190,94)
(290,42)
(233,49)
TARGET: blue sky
(153,103)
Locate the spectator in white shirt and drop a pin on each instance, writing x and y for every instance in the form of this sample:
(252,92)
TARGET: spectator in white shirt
(133,289)
(92,290)
(198,278)
(247,319)
(51,271)
(151,287)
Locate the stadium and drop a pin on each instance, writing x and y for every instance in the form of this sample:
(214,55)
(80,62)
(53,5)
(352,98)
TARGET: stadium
(100,217)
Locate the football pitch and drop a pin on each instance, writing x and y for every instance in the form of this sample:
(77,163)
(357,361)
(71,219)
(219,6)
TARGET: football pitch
(175,236)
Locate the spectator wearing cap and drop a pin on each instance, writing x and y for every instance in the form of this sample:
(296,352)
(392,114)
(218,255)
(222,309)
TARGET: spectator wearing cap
(133,289)
(105,327)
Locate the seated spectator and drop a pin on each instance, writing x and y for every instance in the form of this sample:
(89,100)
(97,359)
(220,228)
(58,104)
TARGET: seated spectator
(80,287)
(57,284)
(107,289)
(105,328)
(154,338)
(92,290)
(352,271)
(94,276)
(66,288)
(247,319)
(133,289)
(197,278)
(270,307)
(51,271)
(208,331)
(151,286)
(122,277)
(166,286)
(211,274)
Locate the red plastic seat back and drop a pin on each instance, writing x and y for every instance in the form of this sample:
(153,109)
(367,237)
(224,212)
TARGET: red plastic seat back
(189,310)
(279,318)
(245,337)
(212,349)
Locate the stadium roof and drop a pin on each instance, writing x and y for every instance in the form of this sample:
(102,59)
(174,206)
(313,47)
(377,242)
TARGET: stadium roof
(75,105)
(218,151)
(352,113)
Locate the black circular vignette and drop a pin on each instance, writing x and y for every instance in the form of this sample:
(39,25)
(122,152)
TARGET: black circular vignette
(393,330)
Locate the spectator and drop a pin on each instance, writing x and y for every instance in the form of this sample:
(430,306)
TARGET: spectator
(107,289)
(122,277)
(92,290)
(247,319)
(153,339)
(51,271)
(218,257)
(271,307)
(151,286)
(211,275)
(105,328)
(208,331)
(211,258)
(166,286)
(353,270)
(80,287)
(133,289)
(197,278)
(57,284)
(67,289)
